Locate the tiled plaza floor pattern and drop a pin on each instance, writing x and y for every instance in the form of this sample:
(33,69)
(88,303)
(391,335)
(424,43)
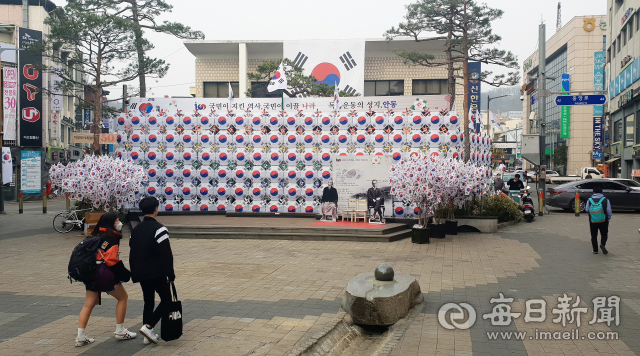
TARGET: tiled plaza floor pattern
(263,297)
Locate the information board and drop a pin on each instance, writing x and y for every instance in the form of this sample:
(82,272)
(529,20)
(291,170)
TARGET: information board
(30,173)
(353,176)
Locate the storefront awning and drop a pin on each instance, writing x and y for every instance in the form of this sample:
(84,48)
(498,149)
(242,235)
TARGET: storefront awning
(612,160)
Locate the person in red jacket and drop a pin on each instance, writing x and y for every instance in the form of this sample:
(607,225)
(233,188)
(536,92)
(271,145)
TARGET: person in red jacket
(111,272)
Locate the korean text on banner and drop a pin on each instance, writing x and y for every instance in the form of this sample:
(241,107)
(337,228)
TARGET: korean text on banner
(9,102)
(54,125)
(598,78)
(332,62)
(30,93)
(474,86)
(7,170)
(565,111)
(30,174)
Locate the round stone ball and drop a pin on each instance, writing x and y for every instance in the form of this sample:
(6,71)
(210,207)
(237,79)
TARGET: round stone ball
(384,272)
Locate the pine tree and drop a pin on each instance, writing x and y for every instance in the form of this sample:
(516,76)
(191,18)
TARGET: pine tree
(467,26)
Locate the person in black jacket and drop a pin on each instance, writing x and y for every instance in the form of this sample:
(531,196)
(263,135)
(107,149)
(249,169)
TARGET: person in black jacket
(151,262)
(329,202)
(111,272)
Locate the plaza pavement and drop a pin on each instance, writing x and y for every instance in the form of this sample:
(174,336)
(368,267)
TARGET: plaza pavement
(250,297)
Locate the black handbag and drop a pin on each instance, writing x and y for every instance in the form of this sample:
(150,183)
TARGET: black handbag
(172,318)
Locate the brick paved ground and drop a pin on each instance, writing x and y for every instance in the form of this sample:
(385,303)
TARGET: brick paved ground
(253,297)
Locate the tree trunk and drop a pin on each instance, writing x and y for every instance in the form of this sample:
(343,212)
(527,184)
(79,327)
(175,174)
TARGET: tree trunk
(97,119)
(138,41)
(451,81)
(465,76)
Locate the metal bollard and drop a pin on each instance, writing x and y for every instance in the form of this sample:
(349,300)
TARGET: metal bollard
(20,209)
(44,201)
(577,204)
(541,204)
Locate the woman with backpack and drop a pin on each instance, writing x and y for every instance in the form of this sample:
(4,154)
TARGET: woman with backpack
(111,272)
(599,210)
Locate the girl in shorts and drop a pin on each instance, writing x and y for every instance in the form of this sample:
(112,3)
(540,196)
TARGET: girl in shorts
(111,272)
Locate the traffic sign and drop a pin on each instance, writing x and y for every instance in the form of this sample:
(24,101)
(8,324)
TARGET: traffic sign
(563,100)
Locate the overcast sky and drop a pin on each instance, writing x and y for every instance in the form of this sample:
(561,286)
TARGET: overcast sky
(331,19)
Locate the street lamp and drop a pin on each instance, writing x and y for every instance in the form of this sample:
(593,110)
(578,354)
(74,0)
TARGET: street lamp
(488,101)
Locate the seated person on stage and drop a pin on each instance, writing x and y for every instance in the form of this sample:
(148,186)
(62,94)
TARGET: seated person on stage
(330,202)
(375,201)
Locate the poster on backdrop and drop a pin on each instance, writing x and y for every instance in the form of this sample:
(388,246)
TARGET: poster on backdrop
(330,61)
(30,171)
(353,175)
(9,102)
(7,162)
(30,93)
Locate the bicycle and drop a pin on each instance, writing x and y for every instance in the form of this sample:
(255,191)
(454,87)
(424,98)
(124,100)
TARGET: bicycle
(54,193)
(65,221)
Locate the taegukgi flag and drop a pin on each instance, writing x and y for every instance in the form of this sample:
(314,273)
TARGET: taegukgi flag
(279,80)
(336,97)
(493,120)
(7,170)
(230,92)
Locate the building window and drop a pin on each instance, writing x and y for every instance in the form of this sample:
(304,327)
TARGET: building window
(637,15)
(629,130)
(617,131)
(630,27)
(624,36)
(619,43)
(613,49)
(383,87)
(220,89)
(259,90)
(609,55)
(430,86)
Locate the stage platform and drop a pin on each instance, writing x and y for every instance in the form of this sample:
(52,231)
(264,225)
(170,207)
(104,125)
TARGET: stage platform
(237,226)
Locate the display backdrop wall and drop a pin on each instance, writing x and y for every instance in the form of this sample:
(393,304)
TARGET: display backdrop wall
(250,155)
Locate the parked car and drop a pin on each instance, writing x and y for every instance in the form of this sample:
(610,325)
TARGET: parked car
(533,175)
(624,194)
(584,172)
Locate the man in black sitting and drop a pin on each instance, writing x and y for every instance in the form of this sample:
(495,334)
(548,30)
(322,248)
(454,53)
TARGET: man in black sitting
(329,202)
(375,201)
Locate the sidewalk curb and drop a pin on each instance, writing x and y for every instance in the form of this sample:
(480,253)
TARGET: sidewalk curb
(507,223)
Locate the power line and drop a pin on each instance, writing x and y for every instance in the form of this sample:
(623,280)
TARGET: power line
(172,85)
(179,49)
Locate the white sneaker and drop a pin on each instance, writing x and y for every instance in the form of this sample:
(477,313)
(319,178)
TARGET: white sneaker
(125,335)
(85,341)
(146,341)
(149,334)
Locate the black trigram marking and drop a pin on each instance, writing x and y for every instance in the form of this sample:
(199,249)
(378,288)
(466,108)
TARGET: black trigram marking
(348,61)
(349,90)
(281,80)
(300,60)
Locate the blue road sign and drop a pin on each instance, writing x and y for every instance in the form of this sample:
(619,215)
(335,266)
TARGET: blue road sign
(580,100)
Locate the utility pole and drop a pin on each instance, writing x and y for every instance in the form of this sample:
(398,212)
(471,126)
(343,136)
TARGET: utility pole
(542,108)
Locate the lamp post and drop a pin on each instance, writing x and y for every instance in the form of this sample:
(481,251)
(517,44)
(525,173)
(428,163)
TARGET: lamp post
(488,119)
(1,179)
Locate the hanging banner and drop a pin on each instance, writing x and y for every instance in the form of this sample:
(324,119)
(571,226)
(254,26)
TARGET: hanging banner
(332,62)
(56,92)
(7,170)
(9,102)
(30,90)
(55,124)
(599,61)
(475,70)
(597,137)
(565,110)
(30,171)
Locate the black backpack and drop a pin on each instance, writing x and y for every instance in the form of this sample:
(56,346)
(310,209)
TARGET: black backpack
(82,265)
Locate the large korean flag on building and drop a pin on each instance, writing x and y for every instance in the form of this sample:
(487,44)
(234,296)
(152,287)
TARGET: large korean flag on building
(330,61)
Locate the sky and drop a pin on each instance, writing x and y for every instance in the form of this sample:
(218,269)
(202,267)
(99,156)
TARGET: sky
(330,19)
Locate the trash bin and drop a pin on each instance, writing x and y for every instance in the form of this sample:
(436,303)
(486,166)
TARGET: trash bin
(515,195)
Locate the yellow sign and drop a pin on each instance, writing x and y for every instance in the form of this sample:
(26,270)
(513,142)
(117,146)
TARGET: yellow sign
(105,139)
(589,24)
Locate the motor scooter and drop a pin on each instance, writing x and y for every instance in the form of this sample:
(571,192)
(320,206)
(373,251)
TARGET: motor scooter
(527,205)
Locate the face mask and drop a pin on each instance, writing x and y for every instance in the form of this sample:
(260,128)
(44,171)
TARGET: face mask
(119,227)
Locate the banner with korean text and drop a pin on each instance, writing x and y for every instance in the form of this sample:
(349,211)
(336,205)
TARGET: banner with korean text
(9,102)
(565,111)
(30,90)
(474,86)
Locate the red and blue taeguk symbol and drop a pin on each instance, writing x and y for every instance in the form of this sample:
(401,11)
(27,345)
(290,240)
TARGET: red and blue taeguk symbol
(399,210)
(239,173)
(186,172)
(257,138)
(326,73)
(326,174)
(257,156)
(187,120)
(326,120)
(416,138)
(169,173)
(274,174)
(204,191)
(257,191)
(361,138)
(292,174)
(274,138)
(153,138)
(256,174)
(435,119)
(186,207)
(204,138)
(204,207)
(151,155)
(168,190)
(186,191)
(168,207)
(186,138)
(204,120)
(342,138)
(187,156)
(453,120)
(308,120)
(435,138)
(275,156)
(417,119)
(309,174)
(135,138)
(169,156)
(222,138)
(239,120)
(152,172)
(273,120)
(223,156)
(343,120)
(308,209)
(169,138)
(273,208)
(397,138)
(379,138)
(222,120)
(308,156)
(151,190)
(308,139)
(291,121)
(362,120)
(153,120)
(135,120)
(239,192)
(273,192)
(239,139)
(170,120)
(134,155)
(222,191)
(326,156)
(291,209)
(240,156)
(308,192)
(204,173)
(398,120)
(325,139)
(379,120)
(397,156)
(292,192)
(221,207)
(256,120)
(222,173)
(292,157)
(291,139)
(255,208)
(121,121)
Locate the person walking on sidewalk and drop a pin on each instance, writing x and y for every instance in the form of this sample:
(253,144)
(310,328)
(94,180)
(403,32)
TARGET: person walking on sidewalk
(151,262)
(498,183)
(111,272)
(599,211)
